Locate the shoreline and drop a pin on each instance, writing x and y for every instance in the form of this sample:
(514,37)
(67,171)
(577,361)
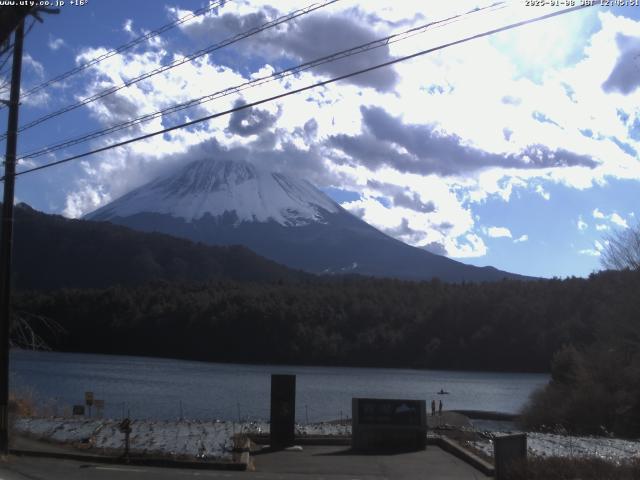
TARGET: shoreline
(488,415)
(287,365)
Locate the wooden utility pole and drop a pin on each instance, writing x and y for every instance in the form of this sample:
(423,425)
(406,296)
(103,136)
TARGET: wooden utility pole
(10,17)
(6,237)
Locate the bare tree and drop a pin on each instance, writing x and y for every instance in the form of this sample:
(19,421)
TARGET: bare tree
(23,330)
(622,249)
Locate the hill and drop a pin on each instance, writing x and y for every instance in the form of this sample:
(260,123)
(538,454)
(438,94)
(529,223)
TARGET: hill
(51,251)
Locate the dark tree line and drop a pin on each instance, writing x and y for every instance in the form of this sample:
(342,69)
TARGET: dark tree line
(504,326)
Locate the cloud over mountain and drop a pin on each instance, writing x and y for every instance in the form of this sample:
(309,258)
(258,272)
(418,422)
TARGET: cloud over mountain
(425,150)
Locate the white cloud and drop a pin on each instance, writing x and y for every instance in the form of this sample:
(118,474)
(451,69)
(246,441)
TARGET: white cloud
(601,227)
(618,220)
(522,238)
(56,43)
(613,218)
(34,65)
(582,225)
(471,245)
(498,232)
(542,192)
(128,26)
(596,251)
(383,122)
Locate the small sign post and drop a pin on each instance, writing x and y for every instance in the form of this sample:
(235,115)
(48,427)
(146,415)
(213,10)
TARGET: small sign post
(88,400)
(125,427)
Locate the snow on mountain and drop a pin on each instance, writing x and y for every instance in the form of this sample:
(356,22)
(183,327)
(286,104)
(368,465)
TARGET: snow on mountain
(218,187)
(280,218)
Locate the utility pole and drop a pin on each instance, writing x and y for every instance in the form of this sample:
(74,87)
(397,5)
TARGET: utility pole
(10,17)
(6,237)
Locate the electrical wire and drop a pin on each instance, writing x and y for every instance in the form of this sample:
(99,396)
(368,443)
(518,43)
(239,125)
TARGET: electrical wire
(126,46)
(303,89)
(8,50)
(381,42)
(178,62)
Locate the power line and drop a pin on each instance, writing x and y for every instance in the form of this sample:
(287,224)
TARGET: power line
(303,89)
(381,42)
(126,46)
(178,62)
(5,85)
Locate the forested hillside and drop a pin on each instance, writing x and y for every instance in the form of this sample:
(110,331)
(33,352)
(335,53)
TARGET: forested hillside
(507,325)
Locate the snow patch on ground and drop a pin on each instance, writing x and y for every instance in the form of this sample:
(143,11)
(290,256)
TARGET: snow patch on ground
(176,438)
(554,445)
(156,437)
(314,429)
(214,440)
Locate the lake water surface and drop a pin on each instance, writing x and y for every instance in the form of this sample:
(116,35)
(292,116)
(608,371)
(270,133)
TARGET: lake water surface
(166,389)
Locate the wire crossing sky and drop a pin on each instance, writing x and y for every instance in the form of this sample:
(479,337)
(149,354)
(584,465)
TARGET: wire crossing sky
(382,42)
(517,150)
(176,63)
(298,90)
(115,51)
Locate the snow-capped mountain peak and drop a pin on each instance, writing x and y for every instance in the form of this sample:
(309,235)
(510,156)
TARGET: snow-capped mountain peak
(236,203)
(219,187)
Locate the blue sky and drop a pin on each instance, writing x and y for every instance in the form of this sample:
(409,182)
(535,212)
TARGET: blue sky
(518,150)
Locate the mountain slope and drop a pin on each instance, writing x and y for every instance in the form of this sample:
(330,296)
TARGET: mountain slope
(282,218)
(51,251)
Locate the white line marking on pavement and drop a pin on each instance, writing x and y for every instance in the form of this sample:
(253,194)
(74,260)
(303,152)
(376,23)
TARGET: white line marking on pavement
(120,469)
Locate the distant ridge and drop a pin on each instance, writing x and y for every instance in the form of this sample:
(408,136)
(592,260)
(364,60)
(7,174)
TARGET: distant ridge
(51,252)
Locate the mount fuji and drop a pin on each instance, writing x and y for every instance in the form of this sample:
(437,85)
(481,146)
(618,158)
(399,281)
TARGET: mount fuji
(220,202)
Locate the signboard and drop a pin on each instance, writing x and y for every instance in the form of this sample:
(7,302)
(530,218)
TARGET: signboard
(283,410)
(388,424)
(506,450)
(78,409)
(373,411)
(88,398)
(99,404)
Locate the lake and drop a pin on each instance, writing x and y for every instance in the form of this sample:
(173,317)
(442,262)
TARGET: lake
(168,389)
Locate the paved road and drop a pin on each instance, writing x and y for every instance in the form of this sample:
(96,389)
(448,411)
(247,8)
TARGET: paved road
(313,463)
(339,462)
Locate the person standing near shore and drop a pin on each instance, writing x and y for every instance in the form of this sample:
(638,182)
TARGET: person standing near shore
(440,408)
(433,408)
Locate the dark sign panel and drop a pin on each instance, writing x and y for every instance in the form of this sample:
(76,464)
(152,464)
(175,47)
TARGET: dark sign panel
(381,424)
(283,410)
